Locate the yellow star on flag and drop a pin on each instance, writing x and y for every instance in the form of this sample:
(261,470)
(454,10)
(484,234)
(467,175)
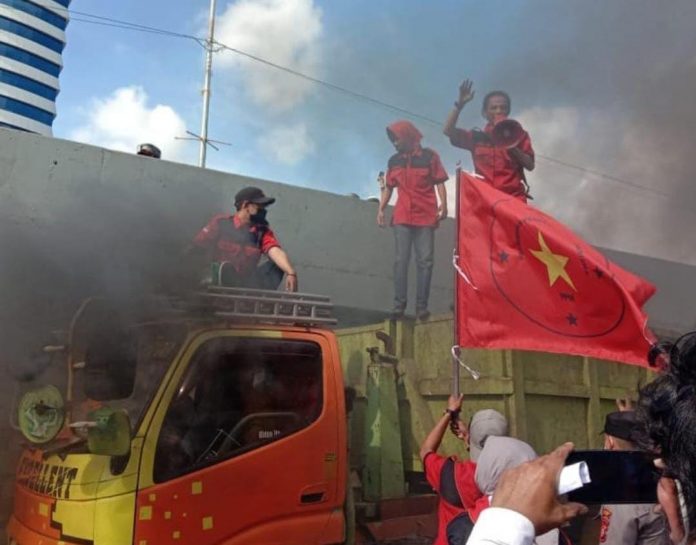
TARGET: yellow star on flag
(555,263)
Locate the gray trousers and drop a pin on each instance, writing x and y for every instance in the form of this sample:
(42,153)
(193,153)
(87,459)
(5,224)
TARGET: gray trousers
(423,241)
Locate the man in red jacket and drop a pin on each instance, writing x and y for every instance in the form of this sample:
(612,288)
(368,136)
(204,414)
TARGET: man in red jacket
(237,242)
(453,479)
(416,173)
(502,168)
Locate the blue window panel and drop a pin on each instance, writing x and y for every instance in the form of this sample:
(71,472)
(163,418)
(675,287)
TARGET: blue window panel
(27,84)
(27,110)
(30,34)
(65,3)
(20,55)
(46,15)
(15,127)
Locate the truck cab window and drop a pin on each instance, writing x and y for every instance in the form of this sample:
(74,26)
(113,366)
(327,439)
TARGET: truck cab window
(238,394)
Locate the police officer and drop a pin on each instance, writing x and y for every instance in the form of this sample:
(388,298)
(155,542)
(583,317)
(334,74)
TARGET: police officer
(630,524)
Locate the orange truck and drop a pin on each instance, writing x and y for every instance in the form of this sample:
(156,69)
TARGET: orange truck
(216,419)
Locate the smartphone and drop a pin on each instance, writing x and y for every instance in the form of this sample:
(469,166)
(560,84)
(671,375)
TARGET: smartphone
(617,477)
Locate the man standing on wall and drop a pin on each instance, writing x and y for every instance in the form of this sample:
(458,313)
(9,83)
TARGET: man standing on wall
(417,173)
(238,242)
(502,168)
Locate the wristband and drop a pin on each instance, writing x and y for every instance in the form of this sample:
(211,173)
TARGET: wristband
(452,413)
(458,105)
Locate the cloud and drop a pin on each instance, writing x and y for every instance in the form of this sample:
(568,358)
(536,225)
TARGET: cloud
(124,119)
(616,213)
(285,32)
(287,144)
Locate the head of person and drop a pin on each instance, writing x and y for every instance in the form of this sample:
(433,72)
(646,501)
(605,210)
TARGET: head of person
(149,150)
(404,136)
(498,455)
(496,106)
(250,204)
(622,431)
(667,407)
(482,426)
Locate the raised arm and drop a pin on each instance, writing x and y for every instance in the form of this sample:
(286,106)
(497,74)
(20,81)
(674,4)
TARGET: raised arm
(434,438)
(466,94)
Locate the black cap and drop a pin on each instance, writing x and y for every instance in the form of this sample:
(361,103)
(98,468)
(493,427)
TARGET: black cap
(253,195)
(624,425)
(149,150)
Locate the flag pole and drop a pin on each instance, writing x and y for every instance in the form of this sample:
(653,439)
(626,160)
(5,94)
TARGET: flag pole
(455,362)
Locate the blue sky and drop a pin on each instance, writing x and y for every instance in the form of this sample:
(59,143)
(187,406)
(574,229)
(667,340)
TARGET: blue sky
(600,86)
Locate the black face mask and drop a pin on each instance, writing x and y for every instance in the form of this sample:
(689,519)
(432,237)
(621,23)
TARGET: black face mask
(260,217)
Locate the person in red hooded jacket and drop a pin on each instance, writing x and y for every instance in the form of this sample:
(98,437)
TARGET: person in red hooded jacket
(417,173)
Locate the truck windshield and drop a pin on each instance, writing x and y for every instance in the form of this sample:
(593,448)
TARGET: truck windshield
(123,369)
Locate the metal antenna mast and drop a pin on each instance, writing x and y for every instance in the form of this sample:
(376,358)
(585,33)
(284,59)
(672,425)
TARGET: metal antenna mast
(206,84)
(209,46)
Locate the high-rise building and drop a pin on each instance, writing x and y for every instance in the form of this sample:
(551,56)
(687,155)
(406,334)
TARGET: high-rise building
(32,38)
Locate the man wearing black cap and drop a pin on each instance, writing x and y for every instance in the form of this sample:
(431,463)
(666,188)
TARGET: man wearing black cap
(238,242)
(630,524)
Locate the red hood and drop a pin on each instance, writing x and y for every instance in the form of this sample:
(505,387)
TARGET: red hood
(406,131)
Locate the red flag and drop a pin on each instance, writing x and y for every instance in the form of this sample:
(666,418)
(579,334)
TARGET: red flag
(528,282)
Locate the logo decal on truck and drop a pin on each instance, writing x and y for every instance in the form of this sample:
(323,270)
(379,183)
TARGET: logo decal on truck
(47,479)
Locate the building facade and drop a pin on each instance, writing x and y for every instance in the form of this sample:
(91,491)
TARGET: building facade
(32,38)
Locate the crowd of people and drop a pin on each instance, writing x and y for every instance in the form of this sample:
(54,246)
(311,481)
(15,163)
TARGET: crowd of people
(505,495)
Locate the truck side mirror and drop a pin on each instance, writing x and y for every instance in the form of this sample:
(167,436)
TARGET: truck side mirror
(108,433)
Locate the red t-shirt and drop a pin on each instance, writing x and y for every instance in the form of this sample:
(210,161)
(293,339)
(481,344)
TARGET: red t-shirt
(464,472)
(495,164)
(415,175)
(240,245)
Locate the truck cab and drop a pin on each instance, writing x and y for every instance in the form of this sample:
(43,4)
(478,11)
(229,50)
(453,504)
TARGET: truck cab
(215,419)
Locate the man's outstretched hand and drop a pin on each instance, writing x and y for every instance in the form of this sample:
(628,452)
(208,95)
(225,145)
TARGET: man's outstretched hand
(466,93)
(531,490)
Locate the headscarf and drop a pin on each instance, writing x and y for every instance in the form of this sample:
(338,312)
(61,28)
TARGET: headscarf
(484,424)
(406,131)
(499,454)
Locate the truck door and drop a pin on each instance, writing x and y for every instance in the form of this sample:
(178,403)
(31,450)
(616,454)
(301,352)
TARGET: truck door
(246,447)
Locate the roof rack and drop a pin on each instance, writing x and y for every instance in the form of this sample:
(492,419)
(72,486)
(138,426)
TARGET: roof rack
(267,306)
